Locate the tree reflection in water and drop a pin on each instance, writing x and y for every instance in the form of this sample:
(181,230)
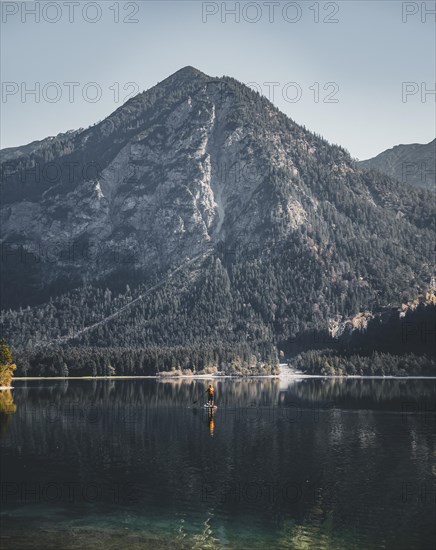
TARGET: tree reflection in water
(7,409)
(313,463)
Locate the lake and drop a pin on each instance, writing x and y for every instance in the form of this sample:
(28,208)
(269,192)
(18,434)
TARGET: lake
(282,464)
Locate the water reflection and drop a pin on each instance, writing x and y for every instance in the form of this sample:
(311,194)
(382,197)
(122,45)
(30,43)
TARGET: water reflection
(211,422)
(7,409)
(317,463)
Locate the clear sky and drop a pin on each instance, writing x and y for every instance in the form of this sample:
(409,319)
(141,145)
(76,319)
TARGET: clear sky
(339,68)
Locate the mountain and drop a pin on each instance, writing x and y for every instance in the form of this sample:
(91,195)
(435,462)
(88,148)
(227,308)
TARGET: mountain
(199,214)
(413,164)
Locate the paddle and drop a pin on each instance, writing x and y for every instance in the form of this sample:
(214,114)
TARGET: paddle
(197,400)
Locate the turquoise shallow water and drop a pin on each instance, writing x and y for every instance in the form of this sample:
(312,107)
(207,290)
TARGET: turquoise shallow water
(328,464)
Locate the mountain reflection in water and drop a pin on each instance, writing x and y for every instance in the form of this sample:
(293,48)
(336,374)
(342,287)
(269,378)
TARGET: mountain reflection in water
(141,464)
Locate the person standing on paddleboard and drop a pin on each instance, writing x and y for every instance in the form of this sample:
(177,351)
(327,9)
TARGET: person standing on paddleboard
(210,395)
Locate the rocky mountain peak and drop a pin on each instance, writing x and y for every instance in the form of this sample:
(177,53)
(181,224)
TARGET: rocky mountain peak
(198,166)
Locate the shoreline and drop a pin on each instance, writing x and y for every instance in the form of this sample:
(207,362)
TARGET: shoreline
(295,376)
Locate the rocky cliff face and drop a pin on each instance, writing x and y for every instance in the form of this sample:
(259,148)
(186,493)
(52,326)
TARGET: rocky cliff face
(177,176)
(200,166)
(177,169)
(413,164)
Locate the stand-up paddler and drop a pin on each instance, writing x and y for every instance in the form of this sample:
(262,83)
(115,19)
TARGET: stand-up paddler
(210,395)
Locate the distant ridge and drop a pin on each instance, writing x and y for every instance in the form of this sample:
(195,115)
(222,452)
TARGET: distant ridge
(413,164)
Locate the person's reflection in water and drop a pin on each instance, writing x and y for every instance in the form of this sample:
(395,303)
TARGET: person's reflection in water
(211,422)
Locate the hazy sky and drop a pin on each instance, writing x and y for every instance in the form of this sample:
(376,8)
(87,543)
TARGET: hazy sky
(343,79)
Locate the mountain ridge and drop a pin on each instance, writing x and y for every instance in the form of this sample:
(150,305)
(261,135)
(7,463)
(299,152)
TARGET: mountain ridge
(413,164)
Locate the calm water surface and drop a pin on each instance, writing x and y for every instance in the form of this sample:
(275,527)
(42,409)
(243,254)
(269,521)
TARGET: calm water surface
(322,464)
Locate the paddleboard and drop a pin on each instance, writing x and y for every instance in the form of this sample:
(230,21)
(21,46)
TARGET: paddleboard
(209,406)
